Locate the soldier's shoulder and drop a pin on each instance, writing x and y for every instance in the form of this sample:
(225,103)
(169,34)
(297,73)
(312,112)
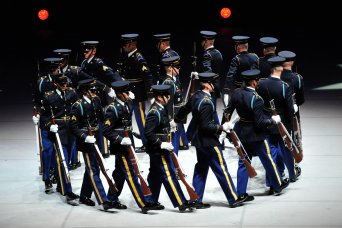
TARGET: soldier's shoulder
(49,93)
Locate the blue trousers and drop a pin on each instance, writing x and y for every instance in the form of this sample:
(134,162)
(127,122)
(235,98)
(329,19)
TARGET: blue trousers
(139,113)
(49,156)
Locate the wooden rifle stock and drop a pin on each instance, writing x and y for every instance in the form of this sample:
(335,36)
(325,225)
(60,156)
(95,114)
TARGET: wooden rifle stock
(190,189)
(99,158)
(287,137)
(145,188)
(242,154)
(297,134)
(241,151)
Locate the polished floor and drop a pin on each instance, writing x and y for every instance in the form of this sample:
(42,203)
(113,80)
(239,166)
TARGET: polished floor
(313,201)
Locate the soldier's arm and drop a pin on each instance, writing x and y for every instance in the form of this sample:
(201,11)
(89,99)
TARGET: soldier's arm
(147,75)
(110,119)
(261,120)
(207,62)
(231,74)
(206,124)
(75,121)
(151,124)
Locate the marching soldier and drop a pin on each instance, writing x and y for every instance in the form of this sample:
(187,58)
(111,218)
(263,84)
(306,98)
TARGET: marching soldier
(165,51)
(269,47)
(137,72)
(206,141)
(43,85)
(95,68)
(159,149)
(118,117)
(251,132)
(86,113)
(274,88)
(55,118)
(241,62)
(171,66)
(295,81)
(73,74)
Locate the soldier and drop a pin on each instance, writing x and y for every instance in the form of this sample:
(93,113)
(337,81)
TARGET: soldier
(241,62)
(294,80)
(55,118)
(206,141)
(161,165)
(94,67)
(274,88)
(118,117)
(86,113)
(171,66)
(72,72)
(269,47)
(45,84)
(251,132)
(137,72)
(165,51)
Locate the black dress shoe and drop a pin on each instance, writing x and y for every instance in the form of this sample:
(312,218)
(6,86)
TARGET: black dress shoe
(183,148)
(48,187)
(245,197)
(238,202)
(75,166)
(201,205)
(117,205)
(72,199)
(283,185)
(107,205)
(141,150)
(190,205)
(87,201)
(156,206)
(107,155)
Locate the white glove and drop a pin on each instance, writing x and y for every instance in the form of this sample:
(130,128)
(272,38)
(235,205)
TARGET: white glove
(166,146)
(54,128)
(126,141)
(222,137)
(112,93)
(152,100)
(173,126)
(35,119)
(276,119)
(194,75)
(295,107)
(227,126)
(131,95)
(90,139)
(225,99)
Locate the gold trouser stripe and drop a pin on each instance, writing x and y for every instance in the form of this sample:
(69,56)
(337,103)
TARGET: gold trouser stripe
(142,114)
(92,177)
(78,156)
(180,141)
(271,159)
(130,180)
(105,145)
(59,171)
(224,171)
(175,192)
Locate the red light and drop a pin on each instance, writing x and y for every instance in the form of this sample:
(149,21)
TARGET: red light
(225,12)
(43,14)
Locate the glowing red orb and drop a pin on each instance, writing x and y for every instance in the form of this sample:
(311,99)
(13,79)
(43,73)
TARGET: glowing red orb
(43,14)
(225,12)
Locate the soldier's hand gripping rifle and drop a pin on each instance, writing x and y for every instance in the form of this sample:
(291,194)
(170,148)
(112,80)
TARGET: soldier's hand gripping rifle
(134,159)
(241,151)
(102,164)
(59,151)
(191,87)
(287,137)
(190,189)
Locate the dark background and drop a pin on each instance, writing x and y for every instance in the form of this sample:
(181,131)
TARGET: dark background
(26,40)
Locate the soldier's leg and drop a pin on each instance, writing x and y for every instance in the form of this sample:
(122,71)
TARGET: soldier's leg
(139,113)
(200,172)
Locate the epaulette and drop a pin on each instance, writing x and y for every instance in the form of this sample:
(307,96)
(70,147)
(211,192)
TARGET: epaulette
(254,54)
(49,93)
(111,106)
(78,103)
(154,111)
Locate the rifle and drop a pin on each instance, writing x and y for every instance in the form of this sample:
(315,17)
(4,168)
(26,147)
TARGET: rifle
(120,64)
(297,132)
(287,137)
(38,143)
(241,151)
(191,191)
(102,164)
(59,151)
(191,87)
(145,188)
